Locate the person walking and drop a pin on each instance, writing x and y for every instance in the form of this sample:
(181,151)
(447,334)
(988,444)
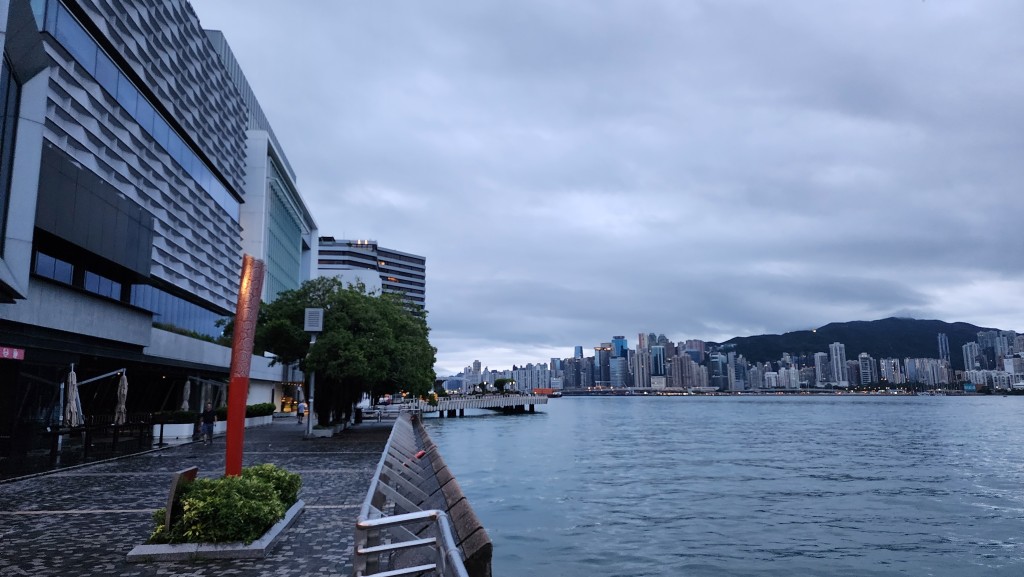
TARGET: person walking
(301,411)
(207,419)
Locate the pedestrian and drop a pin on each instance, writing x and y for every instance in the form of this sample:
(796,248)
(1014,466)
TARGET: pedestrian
(207,418)
(301,410)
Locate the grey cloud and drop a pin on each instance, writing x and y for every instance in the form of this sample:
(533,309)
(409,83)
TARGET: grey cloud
(574,170)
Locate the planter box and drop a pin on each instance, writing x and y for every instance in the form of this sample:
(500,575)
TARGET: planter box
(189,551)
(178,432)
(258,421)
(183,432)
(322,431)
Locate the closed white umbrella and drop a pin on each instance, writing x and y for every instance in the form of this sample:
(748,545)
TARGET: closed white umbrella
(121,413)
(72,414)
(185,393)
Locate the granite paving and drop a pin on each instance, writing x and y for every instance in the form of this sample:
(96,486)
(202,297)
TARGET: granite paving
(85,520)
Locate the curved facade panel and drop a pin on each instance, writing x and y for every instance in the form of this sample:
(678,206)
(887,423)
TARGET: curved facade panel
(167,48)
(196,245)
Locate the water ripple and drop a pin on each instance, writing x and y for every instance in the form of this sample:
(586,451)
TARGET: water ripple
(748,486)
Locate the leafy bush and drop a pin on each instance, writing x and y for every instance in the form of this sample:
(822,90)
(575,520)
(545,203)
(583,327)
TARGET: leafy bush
(222,413)
(260,410)
(175,417)
(285,483)
(222,510)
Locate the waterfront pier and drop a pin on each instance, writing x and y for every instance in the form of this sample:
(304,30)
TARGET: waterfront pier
(456,406)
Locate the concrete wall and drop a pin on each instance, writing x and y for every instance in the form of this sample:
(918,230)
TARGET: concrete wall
(62,308)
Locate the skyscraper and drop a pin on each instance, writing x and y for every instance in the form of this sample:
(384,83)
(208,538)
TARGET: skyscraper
(943,347)
(868,369)
(821,369)
(643,361)
(602,365)
(971,353)
(619,346)
(837,357)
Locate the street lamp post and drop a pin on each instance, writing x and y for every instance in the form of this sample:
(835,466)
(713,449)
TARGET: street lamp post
(314,325)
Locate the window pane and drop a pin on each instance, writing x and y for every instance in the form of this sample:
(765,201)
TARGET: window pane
(145,115)
(174,146)
(106,73)
(44,265)
(92,282)
(78,42)
(160,131)
(62,271)
(127,94)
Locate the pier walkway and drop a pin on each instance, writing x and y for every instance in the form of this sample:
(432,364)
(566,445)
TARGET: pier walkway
(452,405)
(85,520)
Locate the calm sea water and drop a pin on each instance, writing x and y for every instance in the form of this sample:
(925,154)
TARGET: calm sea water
(715,486)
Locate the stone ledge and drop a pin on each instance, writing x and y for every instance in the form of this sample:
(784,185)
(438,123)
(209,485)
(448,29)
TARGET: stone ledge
(258,549)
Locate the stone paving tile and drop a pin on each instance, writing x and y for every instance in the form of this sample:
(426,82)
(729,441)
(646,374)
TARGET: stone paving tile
(84,521)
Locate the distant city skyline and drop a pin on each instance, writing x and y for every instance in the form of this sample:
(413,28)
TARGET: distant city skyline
(994,360)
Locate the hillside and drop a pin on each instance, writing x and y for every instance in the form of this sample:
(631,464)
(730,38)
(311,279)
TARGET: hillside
(891,337)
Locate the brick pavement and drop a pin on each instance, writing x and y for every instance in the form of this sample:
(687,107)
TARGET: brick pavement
(84,521)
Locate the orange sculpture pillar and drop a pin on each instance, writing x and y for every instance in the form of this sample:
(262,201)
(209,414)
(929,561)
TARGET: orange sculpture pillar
(249,291)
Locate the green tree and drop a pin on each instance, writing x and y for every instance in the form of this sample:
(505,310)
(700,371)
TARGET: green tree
(500,384)
(370,344)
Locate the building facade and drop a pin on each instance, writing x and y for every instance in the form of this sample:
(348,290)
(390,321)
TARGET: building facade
(392,271)
(123,158)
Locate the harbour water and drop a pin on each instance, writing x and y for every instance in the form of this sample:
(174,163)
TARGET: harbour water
(760,486)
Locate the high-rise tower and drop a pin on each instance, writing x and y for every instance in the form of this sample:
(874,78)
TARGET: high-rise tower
(837,357)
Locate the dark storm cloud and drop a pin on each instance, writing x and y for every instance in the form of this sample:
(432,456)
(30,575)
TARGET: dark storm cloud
(574,170)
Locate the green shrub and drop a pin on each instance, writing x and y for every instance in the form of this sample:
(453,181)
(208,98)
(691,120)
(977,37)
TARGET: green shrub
(175,417)
(222,510)
(222,413)
(260,410)
(285,483)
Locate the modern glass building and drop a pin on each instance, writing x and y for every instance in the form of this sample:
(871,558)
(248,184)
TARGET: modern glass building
(126,206)
(283,233)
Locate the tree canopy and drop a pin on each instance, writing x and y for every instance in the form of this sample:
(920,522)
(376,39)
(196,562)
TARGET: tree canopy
(370,344)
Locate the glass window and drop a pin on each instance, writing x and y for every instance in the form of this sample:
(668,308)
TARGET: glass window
(77,41)
(62,271)
(174,147)
(205,177)
(92,282)
(160,131)
(145,115)
(45,265)
(127,94)
(105,286)
(106,73)
(38,10)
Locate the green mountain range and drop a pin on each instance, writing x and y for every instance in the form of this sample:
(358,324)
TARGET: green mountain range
(891,337)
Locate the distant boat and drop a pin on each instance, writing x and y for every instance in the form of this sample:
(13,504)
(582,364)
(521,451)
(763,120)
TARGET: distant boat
(555,394)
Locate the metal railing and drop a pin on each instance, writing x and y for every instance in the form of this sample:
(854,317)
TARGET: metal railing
(393,535)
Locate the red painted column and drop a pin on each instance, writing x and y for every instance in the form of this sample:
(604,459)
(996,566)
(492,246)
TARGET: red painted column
(249,291)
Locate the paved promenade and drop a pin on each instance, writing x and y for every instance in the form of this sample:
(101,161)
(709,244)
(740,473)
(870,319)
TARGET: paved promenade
(84,521)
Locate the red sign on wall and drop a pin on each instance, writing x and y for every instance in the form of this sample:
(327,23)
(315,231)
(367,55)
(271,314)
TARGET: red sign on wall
(12,353)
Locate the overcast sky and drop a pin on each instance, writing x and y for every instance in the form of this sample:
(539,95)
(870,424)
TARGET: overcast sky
(574,170)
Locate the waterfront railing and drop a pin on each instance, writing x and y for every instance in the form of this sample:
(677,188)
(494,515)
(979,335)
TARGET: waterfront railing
(415,519)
